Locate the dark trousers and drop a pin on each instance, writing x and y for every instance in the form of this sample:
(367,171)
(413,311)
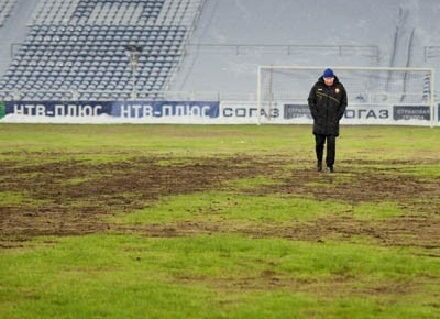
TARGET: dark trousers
(320,141)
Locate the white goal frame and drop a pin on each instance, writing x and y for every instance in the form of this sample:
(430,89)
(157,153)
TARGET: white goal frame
(430,71)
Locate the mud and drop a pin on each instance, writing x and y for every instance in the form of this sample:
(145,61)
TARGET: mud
(422,232)
(74,197)
(331,287)
(361,183)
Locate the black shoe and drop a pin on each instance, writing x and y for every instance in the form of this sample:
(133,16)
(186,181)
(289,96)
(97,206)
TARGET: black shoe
(330,169)
(319,167)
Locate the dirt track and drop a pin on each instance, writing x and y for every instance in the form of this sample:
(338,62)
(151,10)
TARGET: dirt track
(72,197)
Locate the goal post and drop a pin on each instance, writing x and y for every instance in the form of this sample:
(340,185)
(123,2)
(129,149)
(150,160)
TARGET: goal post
(408,91)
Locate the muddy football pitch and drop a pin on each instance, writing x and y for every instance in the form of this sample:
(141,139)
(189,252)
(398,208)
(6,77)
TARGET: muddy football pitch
(169,221)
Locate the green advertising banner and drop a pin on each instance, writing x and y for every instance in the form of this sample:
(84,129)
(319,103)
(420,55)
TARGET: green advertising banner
(2,110)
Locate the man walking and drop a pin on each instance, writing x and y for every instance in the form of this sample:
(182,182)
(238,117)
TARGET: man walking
(327,103)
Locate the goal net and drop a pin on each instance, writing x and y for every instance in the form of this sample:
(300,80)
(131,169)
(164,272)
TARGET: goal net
(409,89)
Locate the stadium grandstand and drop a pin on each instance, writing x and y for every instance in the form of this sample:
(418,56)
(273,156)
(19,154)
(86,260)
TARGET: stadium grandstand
(78,48)
(198,49)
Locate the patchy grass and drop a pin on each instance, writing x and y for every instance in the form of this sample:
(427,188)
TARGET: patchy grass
(116,141)
(213,276)
(431,171)
(224,206)
(19,199)
(382,210)
(213,206)
(217,222)
(251,183)
(11,198)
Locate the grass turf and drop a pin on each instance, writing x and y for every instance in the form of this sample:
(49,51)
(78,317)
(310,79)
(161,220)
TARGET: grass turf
(222,274)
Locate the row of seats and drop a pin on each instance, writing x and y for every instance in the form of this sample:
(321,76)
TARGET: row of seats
(91,38)
(89,28)
(86,83)
(6,7)
(91,85)
(118,76)
(66,80)
(106,51)
(156,75)
(106,61)
(113,68)
(81,96)
(104,33)
(86,53)
(99,47)
(91,70)
(73,33)
(62,73)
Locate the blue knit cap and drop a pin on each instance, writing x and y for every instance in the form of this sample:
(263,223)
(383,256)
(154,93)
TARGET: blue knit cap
(328,73)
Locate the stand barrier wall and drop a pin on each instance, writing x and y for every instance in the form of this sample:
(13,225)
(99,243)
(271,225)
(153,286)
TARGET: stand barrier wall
(205,112)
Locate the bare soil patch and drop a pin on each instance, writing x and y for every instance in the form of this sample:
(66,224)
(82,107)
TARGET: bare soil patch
(327,288)
(71,197)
